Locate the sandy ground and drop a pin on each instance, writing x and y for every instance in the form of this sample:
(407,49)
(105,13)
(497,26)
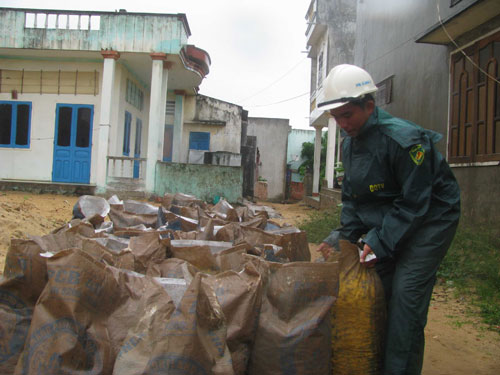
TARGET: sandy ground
(456,341)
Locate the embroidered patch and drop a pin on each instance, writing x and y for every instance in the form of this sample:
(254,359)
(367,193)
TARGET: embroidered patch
(417,154)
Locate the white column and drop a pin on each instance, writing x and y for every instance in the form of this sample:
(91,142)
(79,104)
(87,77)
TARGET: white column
(317,160)
(330,151)
(156,119)
(161,127)
(178,127)
(108,79)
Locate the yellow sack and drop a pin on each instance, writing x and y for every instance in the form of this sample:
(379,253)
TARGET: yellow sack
(358,317)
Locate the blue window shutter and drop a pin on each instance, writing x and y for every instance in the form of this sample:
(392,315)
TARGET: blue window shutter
(199,141)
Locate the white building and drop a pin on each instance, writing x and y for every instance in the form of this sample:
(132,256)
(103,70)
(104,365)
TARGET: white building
(330,35)
(95,98)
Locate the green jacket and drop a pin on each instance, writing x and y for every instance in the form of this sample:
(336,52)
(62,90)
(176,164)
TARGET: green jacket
(396,185)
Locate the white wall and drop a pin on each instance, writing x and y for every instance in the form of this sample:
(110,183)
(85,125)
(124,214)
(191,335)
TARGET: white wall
(118,116)
(35,162)
(272,141)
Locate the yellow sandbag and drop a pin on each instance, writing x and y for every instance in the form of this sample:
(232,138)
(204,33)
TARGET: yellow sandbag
(358,317)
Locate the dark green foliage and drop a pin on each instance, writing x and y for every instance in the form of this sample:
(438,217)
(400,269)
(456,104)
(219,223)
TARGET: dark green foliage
(307,153)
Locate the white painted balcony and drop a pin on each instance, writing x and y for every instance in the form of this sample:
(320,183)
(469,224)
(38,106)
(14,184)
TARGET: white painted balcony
(93,31)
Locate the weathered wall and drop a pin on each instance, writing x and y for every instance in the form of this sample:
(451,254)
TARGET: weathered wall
(221,119)
(202,181)
(272,139)
(340,16)
(421,84)
(119,31)
(35,162)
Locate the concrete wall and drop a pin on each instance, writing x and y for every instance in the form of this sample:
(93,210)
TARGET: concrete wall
(203,181)
(340,16)
(134,32)
(421,84)
(221,119)
(272,139)
(295,139)
(35,162)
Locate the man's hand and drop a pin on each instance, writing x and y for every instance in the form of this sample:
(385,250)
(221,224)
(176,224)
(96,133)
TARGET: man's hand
(366,251)
(325,250)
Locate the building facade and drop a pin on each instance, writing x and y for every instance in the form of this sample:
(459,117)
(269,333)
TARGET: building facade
(441,70)
(271,144)
(330,36)
(95,98)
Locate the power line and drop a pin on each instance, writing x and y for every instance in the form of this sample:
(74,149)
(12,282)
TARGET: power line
(281,101)
(460,49)
(271,84)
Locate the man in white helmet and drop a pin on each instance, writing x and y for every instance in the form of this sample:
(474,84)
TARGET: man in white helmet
(401,197)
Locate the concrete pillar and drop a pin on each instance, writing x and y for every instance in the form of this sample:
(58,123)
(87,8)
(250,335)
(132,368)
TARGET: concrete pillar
(156,125)
(108,81)
(330,151)
(178,127)
(317,160)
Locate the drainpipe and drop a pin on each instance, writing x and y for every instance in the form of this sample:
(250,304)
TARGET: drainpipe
(108,80)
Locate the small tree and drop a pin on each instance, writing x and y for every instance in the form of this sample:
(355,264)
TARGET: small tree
(307,153)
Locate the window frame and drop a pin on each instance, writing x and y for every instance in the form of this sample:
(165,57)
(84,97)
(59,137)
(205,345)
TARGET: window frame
(471,127)
(126,133)
(195,140)
(13,124)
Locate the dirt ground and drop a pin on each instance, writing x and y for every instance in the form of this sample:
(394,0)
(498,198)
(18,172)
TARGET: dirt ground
(456,341)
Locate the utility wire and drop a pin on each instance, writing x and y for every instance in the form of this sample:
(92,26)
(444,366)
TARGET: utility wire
(281,101)
(460,49)
(273,83)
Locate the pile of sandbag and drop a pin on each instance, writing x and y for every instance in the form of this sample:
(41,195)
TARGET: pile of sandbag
(127,287)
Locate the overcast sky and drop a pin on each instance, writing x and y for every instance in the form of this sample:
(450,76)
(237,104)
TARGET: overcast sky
(256,47)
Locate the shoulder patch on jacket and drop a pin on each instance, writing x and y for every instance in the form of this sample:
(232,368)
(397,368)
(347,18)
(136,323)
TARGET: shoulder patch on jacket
(417,154)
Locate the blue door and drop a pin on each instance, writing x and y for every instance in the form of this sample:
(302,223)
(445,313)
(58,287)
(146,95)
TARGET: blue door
(72,143)
(137,147)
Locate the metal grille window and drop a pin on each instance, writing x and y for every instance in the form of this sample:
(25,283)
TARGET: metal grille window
(15,122)
(134,95)
(474,130)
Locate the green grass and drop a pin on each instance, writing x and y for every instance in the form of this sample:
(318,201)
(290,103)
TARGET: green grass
(472,264)
(319,224)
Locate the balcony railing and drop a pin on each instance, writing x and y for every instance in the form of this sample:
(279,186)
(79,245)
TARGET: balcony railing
(62,20)
(125,167)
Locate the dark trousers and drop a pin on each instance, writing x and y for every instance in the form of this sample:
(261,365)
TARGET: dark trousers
(408,281)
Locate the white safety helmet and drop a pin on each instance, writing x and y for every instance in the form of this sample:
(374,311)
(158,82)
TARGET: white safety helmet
(345,83)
